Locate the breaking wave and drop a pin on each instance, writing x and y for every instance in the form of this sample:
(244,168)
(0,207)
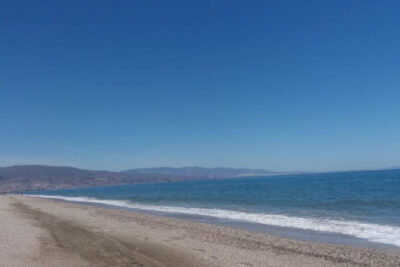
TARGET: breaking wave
(372,232)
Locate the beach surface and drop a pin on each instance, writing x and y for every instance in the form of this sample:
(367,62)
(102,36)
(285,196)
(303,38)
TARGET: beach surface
(43,232)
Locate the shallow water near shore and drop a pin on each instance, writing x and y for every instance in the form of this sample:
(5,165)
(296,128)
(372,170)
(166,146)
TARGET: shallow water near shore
(357,208)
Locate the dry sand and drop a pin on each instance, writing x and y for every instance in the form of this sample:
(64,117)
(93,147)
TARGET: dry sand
(43,232)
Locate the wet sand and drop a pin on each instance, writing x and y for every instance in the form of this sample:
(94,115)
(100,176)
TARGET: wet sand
(43,232)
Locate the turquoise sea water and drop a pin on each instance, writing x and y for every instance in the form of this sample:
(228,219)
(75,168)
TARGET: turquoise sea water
(364,205)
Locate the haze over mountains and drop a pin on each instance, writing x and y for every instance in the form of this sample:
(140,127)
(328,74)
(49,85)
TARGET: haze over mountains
(219,172)
(29,177)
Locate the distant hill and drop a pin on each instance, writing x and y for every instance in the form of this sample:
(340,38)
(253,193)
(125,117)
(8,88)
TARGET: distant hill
(32,177)
(29,177)
(203,172)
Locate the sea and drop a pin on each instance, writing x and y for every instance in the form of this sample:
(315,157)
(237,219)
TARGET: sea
(356,208)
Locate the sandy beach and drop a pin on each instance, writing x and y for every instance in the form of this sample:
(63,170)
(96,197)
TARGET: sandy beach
(42,232)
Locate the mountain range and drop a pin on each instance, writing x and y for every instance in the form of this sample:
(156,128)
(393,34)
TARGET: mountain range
(32,177)
(219,172)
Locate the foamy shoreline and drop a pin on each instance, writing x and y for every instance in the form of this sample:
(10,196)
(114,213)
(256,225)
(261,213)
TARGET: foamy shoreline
(382,234)
(82,235)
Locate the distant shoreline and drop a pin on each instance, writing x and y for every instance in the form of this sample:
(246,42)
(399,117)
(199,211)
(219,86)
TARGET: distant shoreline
(22,178)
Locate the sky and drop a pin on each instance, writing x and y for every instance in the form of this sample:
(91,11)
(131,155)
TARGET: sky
(279,85)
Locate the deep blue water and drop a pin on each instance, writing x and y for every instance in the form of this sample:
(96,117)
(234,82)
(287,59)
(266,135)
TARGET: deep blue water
(363,204)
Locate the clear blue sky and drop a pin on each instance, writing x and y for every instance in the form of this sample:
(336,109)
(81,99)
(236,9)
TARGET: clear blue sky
(280,85)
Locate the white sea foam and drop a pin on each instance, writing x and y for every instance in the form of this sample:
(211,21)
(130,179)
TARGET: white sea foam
(373,232)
